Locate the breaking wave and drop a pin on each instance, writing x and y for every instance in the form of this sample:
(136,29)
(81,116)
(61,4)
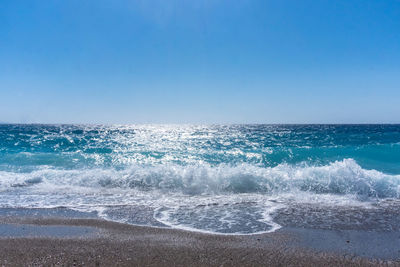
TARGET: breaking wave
(337,178)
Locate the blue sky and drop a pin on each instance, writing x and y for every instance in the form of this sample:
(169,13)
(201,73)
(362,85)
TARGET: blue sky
(211,61)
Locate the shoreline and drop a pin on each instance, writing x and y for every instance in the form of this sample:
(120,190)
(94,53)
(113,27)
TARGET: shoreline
(98,242)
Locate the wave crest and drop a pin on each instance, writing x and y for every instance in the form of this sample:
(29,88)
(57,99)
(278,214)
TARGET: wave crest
(340,177)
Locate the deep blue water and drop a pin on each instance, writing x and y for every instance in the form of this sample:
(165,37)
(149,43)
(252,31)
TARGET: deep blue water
(217,178)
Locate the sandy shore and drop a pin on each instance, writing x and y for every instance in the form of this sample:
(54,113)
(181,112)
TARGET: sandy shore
(68,242)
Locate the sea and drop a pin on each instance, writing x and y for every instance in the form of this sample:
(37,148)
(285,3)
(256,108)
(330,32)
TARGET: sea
(220,179)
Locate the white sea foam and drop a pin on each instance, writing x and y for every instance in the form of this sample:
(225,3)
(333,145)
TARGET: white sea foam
(240,199)
(340,177)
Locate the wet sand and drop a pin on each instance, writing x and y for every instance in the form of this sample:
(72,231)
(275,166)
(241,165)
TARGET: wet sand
(27,240)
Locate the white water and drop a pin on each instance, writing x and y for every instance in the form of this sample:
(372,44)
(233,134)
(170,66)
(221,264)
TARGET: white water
(224,199)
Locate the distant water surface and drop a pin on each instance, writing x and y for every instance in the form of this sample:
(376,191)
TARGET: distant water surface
(230,179)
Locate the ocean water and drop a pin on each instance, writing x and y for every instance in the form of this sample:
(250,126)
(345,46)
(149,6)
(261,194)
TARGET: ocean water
(226,179)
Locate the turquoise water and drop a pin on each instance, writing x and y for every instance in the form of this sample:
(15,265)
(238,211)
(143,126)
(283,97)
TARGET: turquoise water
(215,178)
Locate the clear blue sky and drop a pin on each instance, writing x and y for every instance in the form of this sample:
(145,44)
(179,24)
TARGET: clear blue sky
(211,61)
